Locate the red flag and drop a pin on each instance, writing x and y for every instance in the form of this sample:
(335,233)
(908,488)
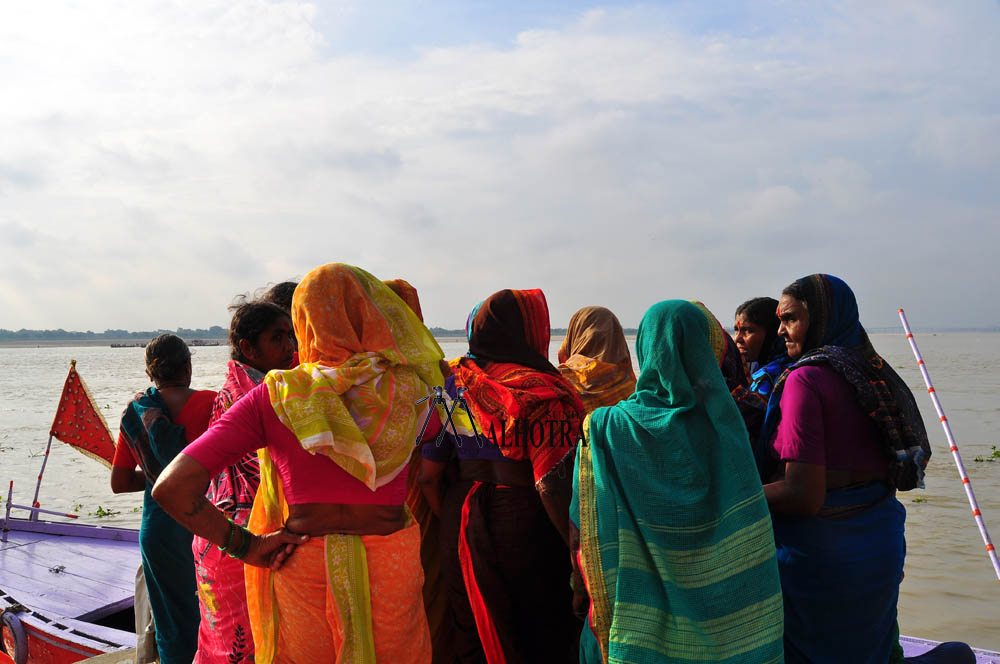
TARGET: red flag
(79,423)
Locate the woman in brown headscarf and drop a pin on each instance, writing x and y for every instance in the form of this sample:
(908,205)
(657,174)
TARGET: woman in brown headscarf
(594,357)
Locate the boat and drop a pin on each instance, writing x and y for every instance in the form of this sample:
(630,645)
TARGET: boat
(66,590)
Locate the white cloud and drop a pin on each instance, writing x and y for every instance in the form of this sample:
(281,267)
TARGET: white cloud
(184,152)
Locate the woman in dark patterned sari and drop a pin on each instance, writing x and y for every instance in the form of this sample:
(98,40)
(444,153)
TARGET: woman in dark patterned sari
(261,338)
(845,435)
(505,522)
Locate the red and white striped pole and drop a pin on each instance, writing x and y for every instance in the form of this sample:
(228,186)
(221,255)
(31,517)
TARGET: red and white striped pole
(977,515)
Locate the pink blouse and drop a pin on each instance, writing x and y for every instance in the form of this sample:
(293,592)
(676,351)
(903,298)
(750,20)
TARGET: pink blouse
(821,423)
(306,478)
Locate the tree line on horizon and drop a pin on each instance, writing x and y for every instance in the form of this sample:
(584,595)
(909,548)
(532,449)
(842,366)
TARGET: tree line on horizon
(217,332)
(214,332)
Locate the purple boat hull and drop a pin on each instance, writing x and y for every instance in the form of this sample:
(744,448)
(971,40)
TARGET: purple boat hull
(66,590)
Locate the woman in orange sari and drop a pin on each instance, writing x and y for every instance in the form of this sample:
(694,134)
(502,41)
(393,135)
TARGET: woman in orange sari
(594,357)
(333,555)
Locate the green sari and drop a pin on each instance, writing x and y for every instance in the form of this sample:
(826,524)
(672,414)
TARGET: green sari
(676,546)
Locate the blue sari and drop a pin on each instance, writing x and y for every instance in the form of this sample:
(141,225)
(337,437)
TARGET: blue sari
(841,568)
(840,575)
(167,558)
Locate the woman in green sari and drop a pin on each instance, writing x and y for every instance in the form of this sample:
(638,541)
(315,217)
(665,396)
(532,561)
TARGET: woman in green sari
(675,559)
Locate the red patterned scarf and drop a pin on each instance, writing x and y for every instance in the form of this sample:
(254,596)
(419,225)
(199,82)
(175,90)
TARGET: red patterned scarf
(516,395)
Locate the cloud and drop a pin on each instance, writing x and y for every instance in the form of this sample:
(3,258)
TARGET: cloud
(619,155)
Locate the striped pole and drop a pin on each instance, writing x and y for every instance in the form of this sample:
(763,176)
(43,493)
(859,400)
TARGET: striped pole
(39,509)
(977,515)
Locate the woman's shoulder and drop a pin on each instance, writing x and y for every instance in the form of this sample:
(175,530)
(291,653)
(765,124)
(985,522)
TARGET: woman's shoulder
(197,405)
(818,378)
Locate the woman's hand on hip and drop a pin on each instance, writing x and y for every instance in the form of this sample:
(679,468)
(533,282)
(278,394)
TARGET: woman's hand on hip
(273,549)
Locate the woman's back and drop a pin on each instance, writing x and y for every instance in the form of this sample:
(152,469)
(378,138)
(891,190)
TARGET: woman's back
(675,538)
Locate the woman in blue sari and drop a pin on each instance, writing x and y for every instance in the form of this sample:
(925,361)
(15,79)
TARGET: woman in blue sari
(845,435)
(156,425)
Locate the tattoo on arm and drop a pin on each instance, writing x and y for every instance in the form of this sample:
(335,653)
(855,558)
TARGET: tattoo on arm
(197,505)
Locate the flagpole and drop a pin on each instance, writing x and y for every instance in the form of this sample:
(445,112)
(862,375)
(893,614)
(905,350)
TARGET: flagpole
(38,485)
(6,516)
(966,482)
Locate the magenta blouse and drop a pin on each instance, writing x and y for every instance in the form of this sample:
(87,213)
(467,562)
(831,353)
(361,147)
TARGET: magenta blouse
(251,423)
(821,423)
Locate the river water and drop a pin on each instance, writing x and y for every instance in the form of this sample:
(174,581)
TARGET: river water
(949,593)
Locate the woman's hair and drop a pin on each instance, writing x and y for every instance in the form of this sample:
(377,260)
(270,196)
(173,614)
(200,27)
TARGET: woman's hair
(281,295)
(167,357)
(763,311)
(760,311)
(796,290)
(249,320)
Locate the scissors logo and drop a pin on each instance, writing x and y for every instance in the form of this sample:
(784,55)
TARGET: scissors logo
(458,402)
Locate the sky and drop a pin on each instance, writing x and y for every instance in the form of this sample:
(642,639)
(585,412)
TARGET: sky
(158,158)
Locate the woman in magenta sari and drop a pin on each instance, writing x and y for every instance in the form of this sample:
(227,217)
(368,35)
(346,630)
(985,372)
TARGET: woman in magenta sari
(262,339)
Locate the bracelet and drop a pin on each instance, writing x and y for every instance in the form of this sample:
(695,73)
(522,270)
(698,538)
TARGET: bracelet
(578,587)
(244,546)
(232,529)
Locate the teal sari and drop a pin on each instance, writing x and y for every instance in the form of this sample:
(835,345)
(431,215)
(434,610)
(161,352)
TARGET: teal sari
(167,558)
(676,545)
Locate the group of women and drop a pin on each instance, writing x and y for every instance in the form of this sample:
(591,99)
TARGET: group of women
(733,503)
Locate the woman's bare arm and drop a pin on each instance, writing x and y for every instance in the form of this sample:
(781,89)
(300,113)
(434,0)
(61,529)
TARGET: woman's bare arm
(127,480)
(801,492)
(556,492)
(180,490)
(431,481)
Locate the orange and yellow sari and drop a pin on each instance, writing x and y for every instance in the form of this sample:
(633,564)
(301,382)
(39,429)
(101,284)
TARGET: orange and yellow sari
(366,359)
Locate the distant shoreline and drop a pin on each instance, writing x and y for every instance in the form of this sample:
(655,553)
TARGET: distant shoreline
(134,343)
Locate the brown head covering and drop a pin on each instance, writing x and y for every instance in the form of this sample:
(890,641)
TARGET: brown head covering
(513,326)
(595,332)
(595,358)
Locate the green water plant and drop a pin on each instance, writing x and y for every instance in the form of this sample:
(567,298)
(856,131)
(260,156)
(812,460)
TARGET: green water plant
(101,512)
(919,499)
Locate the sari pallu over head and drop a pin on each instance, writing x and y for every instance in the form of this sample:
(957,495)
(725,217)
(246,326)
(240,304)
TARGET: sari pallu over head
(594,357)
(835,337)
(366,359)
(676,546)
(512,385)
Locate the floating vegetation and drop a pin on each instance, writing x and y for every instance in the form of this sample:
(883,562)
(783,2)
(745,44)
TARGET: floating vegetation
(77,507)
(101,512)
(994,456)
(919,499)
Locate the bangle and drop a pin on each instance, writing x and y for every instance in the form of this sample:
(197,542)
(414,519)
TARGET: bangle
(244,546)
(229,541)
(578,586)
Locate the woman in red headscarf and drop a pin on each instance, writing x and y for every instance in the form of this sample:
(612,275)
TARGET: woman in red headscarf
(505,523)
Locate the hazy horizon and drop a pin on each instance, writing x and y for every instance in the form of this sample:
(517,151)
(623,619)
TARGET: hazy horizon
(161,158)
